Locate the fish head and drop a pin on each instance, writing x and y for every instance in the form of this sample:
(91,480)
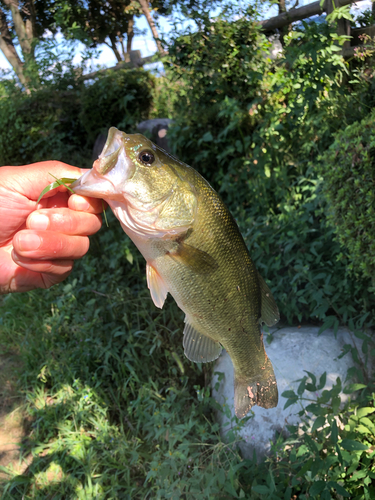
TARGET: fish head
(143,184)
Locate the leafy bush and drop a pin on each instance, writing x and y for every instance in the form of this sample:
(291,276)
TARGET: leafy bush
(264,126)
(44,125)
(221,68)
(364,19)
(349,184)
(116,99)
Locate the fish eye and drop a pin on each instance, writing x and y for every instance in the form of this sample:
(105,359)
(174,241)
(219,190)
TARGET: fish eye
(146,157)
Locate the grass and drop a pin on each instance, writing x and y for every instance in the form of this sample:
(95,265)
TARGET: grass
(107,384)
(116,409)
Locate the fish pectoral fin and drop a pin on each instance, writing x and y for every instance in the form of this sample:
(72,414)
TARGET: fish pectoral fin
(197,260)
(157,286)
(269,311)
(198,347)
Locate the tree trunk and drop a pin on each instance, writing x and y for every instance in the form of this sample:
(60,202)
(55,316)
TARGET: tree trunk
(130,34)
(114,48)
(146,12)
(30,22)
(9,51)
(285,29)
(24,30)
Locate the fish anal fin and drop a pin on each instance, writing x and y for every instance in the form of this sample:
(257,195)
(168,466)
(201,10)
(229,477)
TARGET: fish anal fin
(269,311)
(157,286)
(194,258)
(260,390)
(198,347)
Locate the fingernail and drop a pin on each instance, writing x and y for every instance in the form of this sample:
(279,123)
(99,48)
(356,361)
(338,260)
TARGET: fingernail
(81,204)
(38,221)
(27,242)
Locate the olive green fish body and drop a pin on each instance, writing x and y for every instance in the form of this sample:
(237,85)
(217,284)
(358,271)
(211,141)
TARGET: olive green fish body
(222,298)
(194,251)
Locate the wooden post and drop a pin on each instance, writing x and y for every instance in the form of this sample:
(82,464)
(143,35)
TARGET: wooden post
(343,25)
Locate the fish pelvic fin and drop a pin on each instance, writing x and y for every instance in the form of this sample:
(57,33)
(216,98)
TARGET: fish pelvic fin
(156,285)
(198,347)
(261,391)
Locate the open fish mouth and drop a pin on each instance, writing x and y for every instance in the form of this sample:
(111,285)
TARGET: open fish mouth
(103,180)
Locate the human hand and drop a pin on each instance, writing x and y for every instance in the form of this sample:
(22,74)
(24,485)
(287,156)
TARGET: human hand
(40,241)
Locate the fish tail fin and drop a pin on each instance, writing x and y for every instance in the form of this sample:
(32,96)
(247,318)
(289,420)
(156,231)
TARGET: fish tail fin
(260,390)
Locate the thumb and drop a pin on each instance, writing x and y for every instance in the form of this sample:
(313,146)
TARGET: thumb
(30,180)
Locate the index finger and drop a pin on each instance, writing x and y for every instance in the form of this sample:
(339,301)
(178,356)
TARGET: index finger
(86,204)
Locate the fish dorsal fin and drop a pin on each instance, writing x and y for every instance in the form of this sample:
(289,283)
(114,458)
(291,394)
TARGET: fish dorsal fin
(156,285)
(197,260)
(198,347)
(269,311)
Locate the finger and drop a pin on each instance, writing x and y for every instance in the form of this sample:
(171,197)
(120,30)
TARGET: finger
(55,267)
(25,280)
(14,278)
(65,221)
(30,180)
(85,204)
(45,245)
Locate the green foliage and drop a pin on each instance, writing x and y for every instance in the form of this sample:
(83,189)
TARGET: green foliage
(349,186)
(364,19)
(120,99)
(222,68)
(117,411)
(332,453)
(165,96)
(62,119)
(264,126)
(42,126)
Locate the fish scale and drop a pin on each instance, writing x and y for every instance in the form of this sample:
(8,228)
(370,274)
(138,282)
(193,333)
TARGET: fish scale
(194,251)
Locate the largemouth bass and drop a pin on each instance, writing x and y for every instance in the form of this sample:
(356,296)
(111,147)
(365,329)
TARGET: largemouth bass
(195,251)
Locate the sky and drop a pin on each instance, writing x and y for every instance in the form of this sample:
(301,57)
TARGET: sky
(146,44)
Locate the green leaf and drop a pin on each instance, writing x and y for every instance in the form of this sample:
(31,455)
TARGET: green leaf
(334,431)
(328,323)
(59,182)
(322,381)
(319,422)
(207,137)
(317,487)
(349,389)
(312,376)
(289,394)
(340,490)
(261,489)
(290,402)
(352,445)
(301,387)
(305,468)
(362,412)
(105,217)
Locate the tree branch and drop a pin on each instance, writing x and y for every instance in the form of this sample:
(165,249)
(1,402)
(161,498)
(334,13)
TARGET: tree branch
(114,48)
(30,24)
(19,26)
(286,18)
(155,34)
(9,51)
(130,34)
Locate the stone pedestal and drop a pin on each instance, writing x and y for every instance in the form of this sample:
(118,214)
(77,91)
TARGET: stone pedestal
(291,351)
